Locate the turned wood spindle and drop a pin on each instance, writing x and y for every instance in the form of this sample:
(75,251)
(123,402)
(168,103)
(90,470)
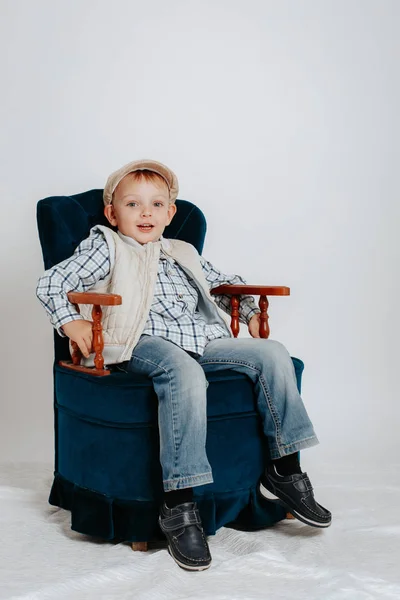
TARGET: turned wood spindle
(235,301)
(98,342)
(264,327)
(76,353)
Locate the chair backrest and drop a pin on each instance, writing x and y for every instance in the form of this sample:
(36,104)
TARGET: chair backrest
(64,221)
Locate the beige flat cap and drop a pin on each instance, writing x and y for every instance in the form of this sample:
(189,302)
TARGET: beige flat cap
(138,165)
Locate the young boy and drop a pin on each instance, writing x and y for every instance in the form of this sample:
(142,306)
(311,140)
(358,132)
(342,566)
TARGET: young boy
(172,330)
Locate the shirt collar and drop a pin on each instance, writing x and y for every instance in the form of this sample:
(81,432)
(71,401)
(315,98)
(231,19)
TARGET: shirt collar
(164,242)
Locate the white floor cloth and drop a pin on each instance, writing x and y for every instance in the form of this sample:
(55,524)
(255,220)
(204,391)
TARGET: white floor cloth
(357,558)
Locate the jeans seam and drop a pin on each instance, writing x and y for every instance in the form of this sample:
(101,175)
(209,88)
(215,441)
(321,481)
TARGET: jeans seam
(189,481)
(311,437)
(191,477)
(264,386)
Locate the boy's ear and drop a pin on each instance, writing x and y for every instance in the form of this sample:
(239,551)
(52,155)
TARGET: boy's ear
(110,214)
(171,212)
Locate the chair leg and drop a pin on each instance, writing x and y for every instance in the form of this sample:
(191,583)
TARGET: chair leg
(139,546)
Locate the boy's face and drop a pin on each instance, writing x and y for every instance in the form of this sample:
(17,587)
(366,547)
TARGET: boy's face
(137,204)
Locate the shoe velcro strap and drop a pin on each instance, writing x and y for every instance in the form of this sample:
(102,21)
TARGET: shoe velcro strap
(184,519)
(308,484)
(303,485)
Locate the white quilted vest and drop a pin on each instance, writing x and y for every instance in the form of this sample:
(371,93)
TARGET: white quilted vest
(133,275)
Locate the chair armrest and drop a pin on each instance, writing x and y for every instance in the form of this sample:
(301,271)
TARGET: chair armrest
(262,290)
(94,298)
(97,300)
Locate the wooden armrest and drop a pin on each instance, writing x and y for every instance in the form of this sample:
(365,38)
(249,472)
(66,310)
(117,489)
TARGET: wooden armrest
(94,298)
(262,290)
(97,300)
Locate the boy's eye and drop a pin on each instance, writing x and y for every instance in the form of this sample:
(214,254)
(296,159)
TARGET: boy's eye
(158,204)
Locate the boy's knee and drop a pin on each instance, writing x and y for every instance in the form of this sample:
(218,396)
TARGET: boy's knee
(277,348)
(272,352)
(190,370)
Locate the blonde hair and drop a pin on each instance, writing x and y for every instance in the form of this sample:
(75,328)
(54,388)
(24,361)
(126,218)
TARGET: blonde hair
(149,177)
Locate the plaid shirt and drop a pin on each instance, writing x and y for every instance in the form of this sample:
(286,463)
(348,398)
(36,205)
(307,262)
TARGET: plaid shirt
(173,313)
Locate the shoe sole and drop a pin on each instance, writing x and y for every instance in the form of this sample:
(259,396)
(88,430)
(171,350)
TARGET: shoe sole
(187,567)
(270,496)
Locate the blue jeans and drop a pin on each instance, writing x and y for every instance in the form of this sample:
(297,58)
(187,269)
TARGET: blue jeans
(180,384)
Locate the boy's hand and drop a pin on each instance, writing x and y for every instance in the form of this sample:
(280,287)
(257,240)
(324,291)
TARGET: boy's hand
(80,332)
(254,326)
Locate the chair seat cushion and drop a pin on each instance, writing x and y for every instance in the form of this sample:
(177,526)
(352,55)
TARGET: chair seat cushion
(126,399)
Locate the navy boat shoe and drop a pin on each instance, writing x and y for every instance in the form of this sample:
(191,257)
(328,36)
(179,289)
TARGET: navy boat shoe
(295,493)
(187,543)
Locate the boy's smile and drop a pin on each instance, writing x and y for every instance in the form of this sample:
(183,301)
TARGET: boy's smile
(140,209)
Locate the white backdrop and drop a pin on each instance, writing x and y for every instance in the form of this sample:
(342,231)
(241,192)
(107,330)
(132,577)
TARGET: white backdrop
(281,122)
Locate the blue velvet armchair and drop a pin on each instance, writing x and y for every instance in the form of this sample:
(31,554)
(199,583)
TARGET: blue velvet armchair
(107,470)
